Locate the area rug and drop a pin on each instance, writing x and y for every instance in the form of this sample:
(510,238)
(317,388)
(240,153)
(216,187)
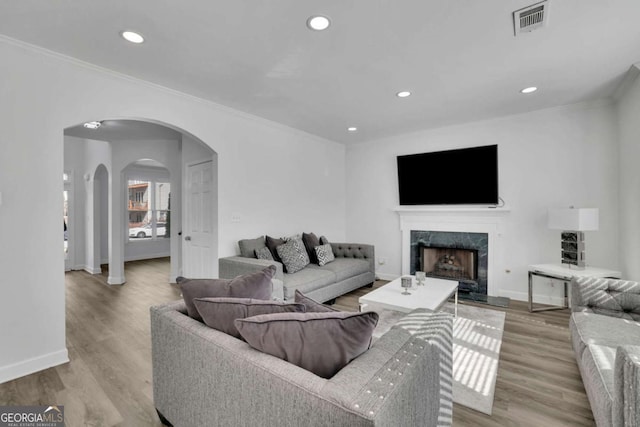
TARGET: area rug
(477,338)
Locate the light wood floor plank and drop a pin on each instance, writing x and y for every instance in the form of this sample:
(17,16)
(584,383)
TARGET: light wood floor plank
(108,381)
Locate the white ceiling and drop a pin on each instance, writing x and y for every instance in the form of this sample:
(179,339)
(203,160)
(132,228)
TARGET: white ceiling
(124,130)
(459,58)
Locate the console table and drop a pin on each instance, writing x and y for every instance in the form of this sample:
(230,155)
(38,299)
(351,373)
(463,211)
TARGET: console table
(565,274)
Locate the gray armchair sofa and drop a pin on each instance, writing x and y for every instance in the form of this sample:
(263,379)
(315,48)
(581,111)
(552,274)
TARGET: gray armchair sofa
(353,268)
(204,377)
(605,334)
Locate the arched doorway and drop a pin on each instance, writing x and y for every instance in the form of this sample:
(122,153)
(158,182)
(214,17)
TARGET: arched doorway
(98,222)
(112,152)
(148,219)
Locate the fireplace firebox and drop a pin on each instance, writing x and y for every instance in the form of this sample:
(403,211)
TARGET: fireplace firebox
(449,263)
(461,256)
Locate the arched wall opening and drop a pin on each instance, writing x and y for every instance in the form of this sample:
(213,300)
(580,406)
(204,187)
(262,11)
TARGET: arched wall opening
(147,224)
(122,150)
(98,223)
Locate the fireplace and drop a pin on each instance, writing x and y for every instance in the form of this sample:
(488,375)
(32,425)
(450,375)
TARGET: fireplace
(458,256)
(477,228)
(449,263)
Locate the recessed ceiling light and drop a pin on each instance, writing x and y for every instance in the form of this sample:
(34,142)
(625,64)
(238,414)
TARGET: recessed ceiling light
(132,37)
(529,89)
(352,129)
(93,125)
(318,23)
(403,94)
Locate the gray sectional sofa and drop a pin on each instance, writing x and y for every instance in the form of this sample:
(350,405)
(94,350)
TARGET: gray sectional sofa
(204,377)
(605,334)
(353,268)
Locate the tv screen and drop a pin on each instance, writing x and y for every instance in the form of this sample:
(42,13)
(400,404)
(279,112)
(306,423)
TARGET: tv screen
(467,176)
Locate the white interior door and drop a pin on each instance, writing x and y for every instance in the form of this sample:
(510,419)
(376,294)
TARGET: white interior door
(198,257)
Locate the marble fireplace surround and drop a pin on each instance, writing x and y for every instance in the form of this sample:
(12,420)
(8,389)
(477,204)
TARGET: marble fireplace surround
(454,219)
(475,242)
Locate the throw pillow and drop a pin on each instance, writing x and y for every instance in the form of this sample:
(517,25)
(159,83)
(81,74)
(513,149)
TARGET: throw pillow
(248,247)
(312,306)
(272,244)
(264,253)
(310,242)
(294,255)
(220,313)
(254,285)
(324,240)
(322,343)
(324,254)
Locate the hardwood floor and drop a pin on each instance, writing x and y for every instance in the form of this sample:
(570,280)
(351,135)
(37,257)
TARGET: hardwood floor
(108,381)
(538,380)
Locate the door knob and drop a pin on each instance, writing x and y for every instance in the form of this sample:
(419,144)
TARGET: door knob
(187,238)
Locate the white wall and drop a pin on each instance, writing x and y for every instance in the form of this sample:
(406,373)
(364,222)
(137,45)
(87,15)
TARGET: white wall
(81,158)
(629,125)
(100,220)
(74,160)
(276,179)
(281,184)
(552,158)
(97,155)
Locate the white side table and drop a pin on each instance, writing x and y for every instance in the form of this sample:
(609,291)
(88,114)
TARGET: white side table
(564,273)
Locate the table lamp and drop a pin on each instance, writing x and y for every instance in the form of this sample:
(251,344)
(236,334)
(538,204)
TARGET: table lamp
(573,222)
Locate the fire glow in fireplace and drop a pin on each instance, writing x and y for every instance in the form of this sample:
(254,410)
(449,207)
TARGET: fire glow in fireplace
(449,263)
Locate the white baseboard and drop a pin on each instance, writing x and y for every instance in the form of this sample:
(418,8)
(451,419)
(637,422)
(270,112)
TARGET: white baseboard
(147,256)
(140,257)
(29,366)
(386,276)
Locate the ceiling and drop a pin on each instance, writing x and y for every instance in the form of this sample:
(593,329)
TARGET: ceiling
(459,58)
(124,130)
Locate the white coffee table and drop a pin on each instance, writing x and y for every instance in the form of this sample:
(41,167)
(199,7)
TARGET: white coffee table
(432,296)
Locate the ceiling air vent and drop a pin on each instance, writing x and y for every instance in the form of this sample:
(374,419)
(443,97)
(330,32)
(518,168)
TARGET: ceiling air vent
(530,18)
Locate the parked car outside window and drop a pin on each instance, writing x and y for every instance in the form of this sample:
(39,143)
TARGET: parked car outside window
(145,231)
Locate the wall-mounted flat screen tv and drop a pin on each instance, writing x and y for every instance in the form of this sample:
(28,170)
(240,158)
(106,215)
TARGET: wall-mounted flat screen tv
(467,176)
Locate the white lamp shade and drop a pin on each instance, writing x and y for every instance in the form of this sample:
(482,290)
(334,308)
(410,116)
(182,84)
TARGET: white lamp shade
(570,219)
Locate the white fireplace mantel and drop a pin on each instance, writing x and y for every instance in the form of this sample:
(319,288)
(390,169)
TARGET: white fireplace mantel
(461,219)
(428,210)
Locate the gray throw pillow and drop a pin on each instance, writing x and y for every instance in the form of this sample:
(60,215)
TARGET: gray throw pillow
(310,242)
(322,343)
(220,313)
(254,285)
(324,254)
(324,240)
(312,306)
(294,255)
(248,247)
(272,244)
(264,253)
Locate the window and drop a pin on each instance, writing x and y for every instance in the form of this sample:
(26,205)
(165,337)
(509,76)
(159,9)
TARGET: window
(148,209)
